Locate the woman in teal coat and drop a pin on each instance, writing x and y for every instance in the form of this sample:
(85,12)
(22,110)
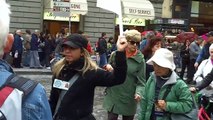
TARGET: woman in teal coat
(178,99)
(122,99)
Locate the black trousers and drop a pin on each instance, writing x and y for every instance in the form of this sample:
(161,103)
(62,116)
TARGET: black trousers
(17,61)
(89,117)
(191,70)
(113,116)
(185,64)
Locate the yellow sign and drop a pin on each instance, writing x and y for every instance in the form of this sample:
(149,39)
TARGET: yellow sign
(132,21)
(50,16)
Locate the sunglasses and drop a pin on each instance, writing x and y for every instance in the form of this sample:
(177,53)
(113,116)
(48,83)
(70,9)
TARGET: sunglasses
(133,43)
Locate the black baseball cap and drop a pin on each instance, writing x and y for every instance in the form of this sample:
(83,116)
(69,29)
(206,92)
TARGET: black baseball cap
(76,41)
(210,33)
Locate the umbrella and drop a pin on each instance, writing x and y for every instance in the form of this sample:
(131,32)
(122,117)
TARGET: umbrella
(204,37)
(182,37)
(144,32)
(157,34)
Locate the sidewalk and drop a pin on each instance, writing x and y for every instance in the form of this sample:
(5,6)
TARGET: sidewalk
(28,71)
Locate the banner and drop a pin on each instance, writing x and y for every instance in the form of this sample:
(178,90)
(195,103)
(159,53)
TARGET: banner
(111,5)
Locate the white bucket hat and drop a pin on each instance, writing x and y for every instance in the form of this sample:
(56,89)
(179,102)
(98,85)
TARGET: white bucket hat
(163,57)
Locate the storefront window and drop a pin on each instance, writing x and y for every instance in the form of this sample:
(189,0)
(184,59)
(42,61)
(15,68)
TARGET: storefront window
(201,16)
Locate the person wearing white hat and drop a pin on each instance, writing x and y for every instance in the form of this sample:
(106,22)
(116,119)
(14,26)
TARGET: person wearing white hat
(167,92)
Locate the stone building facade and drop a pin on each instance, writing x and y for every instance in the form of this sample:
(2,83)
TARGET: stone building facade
(28,14)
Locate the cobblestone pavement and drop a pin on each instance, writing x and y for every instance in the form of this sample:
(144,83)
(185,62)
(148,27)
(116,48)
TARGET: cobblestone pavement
(44,77)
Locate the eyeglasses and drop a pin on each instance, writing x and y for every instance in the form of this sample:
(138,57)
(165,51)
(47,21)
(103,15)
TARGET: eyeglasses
(133,43)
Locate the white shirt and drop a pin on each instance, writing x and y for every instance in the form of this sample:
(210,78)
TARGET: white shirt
(204,68)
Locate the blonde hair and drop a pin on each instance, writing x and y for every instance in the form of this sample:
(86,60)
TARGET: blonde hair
(4,24)
(89,64)
(132,35)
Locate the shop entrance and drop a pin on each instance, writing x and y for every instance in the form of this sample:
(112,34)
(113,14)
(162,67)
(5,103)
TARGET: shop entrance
(53,27)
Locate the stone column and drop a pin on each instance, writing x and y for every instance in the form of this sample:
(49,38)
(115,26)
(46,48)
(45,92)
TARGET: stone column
(167,9)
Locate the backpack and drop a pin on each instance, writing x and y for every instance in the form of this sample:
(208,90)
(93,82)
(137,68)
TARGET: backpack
(27,40)
(12,93)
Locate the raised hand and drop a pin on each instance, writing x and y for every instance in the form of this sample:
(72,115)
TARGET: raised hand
(121,43)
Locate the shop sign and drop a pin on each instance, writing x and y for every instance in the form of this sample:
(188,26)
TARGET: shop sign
(139,11)
(132,21)
(74,6)
(50,16)
(157,21)
(61,8)
(176,21)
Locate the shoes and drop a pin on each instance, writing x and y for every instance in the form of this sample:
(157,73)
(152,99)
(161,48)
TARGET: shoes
(36,67)
(18,67)
(48,68)
(39,67)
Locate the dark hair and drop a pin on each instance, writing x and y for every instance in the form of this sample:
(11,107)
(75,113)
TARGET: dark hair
(103,34)
(28,31)
(110,38)
(186,42)
(62,31)
(151,43)
(80,32)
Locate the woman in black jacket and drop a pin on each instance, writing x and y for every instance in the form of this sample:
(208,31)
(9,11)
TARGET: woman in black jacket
(184,54)
(77,102)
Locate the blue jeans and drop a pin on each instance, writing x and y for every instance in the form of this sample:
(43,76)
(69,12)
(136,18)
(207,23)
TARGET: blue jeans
(26,61)
(103,60)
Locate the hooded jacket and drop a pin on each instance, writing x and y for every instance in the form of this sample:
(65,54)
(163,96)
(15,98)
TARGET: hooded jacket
(178,100)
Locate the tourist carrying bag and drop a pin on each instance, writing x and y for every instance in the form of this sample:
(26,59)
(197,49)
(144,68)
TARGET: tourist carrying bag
(12,93)
(63,92)
(191,115)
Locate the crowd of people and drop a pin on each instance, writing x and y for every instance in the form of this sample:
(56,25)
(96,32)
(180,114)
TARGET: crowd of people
(32,50)
(136,70)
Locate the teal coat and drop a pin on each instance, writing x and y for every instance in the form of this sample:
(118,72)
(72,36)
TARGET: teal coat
(178,100)
(120,99)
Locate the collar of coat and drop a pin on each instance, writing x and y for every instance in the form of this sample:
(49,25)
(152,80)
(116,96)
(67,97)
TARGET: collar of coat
(138,57)
(172,79)
(4,65)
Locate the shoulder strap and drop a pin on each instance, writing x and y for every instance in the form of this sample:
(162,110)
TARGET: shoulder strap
(63,92)
(73,79)
(168,89)
(21,83)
